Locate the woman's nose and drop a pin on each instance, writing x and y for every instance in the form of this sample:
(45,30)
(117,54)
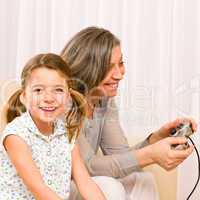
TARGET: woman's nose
(118,73)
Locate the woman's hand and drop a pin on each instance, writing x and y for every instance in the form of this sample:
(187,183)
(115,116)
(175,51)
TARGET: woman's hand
(166,129)
(163,154)
(167,157)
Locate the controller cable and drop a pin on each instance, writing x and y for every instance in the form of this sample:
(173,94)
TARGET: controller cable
(198,168)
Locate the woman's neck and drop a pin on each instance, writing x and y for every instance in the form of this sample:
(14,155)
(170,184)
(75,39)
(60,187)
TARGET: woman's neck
(94,101)
(91,104)
(90,109)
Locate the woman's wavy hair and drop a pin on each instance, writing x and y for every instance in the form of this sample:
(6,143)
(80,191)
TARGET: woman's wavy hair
(88,56)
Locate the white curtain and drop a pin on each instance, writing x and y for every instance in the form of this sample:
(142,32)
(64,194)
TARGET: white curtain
(161,45)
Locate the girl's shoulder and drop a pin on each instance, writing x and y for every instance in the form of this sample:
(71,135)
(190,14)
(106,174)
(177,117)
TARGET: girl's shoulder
(17,124)
(16,127)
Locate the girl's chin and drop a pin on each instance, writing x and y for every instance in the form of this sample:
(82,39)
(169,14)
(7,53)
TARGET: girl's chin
(47,120)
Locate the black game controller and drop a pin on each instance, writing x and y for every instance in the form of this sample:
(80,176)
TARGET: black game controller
(182,130)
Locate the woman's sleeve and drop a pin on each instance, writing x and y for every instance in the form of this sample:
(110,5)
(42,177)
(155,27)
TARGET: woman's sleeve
(118,159)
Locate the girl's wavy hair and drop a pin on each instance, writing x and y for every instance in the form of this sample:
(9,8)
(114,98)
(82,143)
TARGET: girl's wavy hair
(77,111)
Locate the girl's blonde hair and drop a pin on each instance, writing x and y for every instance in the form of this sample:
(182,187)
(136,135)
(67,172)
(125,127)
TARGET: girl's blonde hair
(77,111)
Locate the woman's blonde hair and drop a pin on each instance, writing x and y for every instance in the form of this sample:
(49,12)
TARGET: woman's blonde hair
(77,111)
(88,55)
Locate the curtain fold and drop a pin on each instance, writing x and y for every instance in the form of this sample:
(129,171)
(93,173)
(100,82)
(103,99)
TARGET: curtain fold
(160,42)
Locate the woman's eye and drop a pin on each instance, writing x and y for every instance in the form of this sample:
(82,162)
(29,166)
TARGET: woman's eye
(121,63)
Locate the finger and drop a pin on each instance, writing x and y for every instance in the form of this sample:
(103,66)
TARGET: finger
(177,122)
(177,161)
(182,154)
(194,124)
(171,166)
(176,164)
(185,120)
(173,124)
(177,140)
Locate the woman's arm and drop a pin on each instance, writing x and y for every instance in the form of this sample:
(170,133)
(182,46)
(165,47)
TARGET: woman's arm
(119,159)
(86,186)
(21,157)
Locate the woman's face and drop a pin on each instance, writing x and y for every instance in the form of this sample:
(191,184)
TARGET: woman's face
(109,84)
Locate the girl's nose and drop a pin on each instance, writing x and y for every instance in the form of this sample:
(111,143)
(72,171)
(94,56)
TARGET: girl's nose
(48,96)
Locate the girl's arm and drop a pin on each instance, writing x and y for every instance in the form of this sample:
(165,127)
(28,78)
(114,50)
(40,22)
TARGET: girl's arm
(86,186)
(21,157)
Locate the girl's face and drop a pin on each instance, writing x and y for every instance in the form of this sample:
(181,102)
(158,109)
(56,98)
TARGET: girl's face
(109,85)
(45,96)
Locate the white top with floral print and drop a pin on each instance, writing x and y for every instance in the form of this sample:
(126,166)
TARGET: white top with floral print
(52,155)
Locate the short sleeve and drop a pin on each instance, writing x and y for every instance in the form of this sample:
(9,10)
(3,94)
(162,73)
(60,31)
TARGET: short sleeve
(3,136)
(12,129)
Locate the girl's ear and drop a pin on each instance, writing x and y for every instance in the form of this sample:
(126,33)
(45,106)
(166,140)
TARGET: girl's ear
(22,98)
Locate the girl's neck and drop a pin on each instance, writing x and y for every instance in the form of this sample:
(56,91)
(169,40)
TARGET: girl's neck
(45,128)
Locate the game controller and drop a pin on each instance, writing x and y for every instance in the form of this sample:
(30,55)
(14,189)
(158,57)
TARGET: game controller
(182,130)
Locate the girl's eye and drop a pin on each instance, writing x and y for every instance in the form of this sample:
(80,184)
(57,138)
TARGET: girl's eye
(59,90)
(37,90)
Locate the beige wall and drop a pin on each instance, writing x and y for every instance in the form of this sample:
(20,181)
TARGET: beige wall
(7,87)
(166,182)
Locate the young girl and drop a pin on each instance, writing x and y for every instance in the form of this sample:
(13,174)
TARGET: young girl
(35,148)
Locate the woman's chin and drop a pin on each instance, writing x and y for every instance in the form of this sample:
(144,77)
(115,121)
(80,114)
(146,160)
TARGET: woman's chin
(112,93)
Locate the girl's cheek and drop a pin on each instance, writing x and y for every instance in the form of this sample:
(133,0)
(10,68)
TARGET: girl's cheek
(62,99)
(35,100)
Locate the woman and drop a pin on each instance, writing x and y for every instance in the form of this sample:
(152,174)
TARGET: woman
(95,60)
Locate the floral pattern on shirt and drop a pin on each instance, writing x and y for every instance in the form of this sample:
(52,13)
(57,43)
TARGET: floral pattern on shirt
(52,155)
